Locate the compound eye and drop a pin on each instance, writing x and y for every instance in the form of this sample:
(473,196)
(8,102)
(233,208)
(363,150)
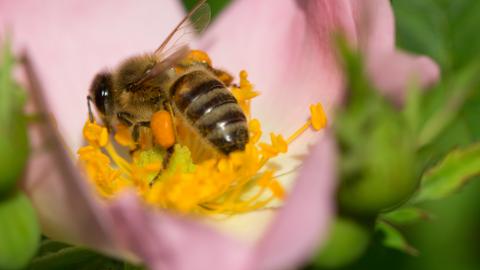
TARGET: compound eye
(101,97)
(101,91)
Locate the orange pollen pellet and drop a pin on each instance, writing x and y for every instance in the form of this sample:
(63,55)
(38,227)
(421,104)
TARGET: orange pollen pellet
(163,129)
(199,56)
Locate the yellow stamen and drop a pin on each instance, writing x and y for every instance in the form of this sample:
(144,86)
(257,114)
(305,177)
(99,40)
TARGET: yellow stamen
(122,163)
(244,93)
(318,118)
(299,132)
(95,134)
(97,165)
(225,185)
(255,130)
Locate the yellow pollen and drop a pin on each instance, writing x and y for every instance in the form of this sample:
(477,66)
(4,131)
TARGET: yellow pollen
(198,56)
(228,185)
(95,134)
(124,137)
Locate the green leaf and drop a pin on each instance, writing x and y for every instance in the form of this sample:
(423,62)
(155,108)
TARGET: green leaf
(445,30)
(48,246)
(58,255)
(421,27)
(448,32)
(19,232)
(405,216)
(451,96)
(128,266)
(394,239)
(74,258)
(450,174)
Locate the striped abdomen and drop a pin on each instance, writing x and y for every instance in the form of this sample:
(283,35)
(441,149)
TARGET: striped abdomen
(211,109)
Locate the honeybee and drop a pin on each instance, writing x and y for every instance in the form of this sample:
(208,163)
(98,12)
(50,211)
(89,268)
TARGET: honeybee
(206,116)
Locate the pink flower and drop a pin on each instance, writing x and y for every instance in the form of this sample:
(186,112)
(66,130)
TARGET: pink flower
(285,46)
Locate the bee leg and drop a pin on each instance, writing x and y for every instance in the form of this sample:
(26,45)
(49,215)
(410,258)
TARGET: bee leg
(124,118)
(166,160)
(109,127)
(132,151)
(167,157)
(135,137)
(169,108)
(170,149)
(136,133)
(144,124)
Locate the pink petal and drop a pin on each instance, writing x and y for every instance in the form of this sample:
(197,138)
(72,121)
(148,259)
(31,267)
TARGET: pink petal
(303,222)
(170,242)
(280,42)
(56,187)
(71,41)
(289,56)
(392,71)
(290,60)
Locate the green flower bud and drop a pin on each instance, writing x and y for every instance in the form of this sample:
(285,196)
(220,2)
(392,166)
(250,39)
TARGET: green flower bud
(347,241)
(385,171)
(19,232)
(377,144)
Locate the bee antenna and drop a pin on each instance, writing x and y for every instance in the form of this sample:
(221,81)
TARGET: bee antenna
(90,114)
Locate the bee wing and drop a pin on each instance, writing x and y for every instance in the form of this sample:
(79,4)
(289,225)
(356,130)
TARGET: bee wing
(194,23)
(175,46)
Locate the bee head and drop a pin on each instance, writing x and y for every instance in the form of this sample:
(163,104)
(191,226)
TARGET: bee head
(101,92)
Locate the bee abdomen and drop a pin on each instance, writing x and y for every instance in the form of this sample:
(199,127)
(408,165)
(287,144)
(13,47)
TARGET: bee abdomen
(225,127)
(232,137)
(213,111)
(190,87)
(208,102)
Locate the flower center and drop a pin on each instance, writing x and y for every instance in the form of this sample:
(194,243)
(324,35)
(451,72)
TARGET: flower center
(231,184)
